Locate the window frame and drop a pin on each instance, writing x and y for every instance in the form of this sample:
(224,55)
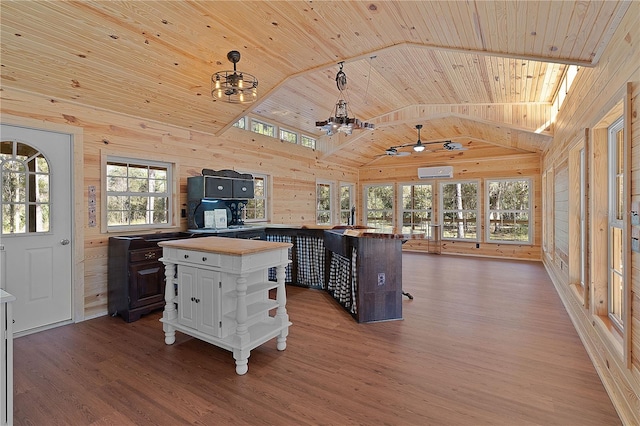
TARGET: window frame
(302,139)
(282,132)
(352,202)
(402,210)
(170,193)
(442,211)
(366,209)
(330,185)
(265,197)
(616,213)
(265,124)
(488,210)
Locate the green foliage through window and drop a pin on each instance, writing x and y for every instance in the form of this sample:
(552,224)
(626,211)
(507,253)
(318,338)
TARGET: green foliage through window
(508,217)
(24,172)
(137,193)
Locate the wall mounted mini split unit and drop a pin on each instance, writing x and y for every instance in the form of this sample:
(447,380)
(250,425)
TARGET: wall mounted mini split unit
(439,172)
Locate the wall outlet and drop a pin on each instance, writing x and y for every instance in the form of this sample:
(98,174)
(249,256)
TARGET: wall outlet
(381,278)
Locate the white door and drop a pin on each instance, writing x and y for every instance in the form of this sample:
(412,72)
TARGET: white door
(36,234)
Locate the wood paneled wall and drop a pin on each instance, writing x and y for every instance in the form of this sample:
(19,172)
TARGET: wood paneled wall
(293,169)
(594,94)
(505,167)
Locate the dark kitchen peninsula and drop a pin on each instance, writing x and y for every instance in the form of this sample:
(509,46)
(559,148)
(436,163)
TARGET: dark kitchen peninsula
(365,273)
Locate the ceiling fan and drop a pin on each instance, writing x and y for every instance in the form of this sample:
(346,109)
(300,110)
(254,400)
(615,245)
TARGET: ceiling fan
(420,146)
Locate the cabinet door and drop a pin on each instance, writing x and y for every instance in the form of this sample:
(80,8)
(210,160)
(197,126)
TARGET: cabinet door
(146,283)
(199,299)
(209,302)
(187,294)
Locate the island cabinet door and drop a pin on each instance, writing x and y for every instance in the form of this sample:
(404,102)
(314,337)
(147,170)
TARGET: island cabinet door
(199,299)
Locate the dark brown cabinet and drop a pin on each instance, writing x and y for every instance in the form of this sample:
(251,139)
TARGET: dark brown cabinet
(136,276)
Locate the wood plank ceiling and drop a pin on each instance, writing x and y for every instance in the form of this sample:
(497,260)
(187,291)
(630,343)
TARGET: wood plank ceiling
(482,73)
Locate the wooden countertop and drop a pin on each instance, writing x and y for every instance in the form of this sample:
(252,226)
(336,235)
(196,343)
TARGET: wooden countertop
(228,246)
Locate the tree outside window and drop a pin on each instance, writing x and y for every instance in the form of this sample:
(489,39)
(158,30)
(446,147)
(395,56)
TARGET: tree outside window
(379,203)
(288,136)
(263,128)
(509,214)
(307,141)
(346,202)
(459,210)
(24,172)
(138,193)
(323,203)
(417,205)
(256,208)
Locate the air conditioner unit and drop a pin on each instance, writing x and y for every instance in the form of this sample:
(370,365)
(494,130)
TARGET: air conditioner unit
(439,172)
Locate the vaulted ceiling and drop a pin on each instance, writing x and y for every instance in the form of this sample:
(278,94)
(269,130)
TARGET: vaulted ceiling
(481,73)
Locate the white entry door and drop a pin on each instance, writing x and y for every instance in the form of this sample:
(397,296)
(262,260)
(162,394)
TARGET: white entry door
(36,235)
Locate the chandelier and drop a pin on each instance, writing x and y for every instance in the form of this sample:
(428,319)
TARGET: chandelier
(233,86)
(340,121)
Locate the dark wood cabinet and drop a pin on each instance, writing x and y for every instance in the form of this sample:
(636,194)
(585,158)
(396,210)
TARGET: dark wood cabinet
(136,276)
(146,279)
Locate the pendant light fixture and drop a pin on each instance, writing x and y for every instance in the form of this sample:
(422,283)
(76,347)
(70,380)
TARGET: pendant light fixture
(234,86)
(340,121)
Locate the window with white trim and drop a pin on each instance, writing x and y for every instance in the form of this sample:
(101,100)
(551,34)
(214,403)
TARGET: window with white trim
(346,203)
(25,203)
(307,141)
(616,285)
(508,216)
(378,201)
(241,123)
(288,136)
(416,207)
(459,214)
(256,208)
(263,128)
(324,206)
(138,193)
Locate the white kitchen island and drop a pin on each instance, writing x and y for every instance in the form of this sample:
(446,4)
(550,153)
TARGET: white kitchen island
(217,290)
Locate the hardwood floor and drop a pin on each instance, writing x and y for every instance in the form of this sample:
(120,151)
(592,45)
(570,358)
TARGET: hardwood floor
(483,342)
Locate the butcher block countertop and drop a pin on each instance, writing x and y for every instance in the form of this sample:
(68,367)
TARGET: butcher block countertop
(221,245)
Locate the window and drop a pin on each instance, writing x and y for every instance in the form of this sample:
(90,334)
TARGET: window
(417,205)
(346,203)
(138,193)
(509,213)
(459,201)
(241,124)
(288,136)
(263,128)
(256,208)
(616,219)
(583,219)
(379,207)
(307,141)
(323,203)
(24,172)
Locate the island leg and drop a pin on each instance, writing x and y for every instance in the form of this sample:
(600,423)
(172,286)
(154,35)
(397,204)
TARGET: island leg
(170,313)
(242,361)
(281,312)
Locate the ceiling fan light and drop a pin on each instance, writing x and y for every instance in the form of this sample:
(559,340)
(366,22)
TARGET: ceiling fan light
(418,148)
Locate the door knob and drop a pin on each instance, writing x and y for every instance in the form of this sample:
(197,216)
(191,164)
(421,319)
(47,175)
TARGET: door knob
(64,242)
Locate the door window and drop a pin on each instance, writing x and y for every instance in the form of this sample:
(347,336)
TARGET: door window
(25,199)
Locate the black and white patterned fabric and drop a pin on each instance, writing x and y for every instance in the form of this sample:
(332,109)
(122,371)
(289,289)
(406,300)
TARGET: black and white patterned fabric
(340,281)
(287,271)
(354,280)
(310,253)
